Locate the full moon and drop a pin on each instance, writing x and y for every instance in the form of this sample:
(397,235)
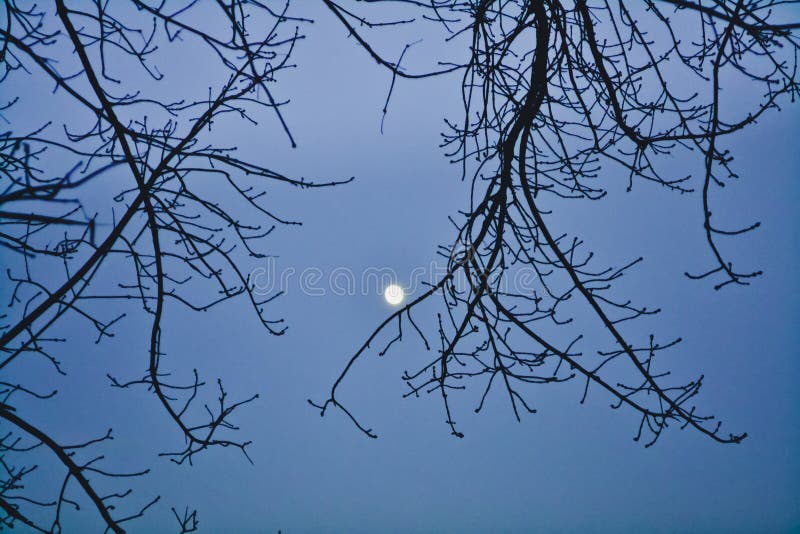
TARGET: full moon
(393,294)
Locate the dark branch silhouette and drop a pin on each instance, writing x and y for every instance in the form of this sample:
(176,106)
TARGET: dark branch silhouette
(558,98)
(170,242)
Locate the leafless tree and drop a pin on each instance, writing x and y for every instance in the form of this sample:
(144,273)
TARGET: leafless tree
(172,241)
(557,96)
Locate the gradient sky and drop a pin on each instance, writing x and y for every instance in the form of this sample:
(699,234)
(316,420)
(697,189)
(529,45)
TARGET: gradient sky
(568,468)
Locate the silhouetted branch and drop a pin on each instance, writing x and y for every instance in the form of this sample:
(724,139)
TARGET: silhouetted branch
(556,95)
(171,240)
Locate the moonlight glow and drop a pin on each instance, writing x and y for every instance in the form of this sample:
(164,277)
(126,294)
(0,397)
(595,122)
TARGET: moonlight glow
(393,294)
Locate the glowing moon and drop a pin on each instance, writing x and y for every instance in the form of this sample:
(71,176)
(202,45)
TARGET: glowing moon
(393,294)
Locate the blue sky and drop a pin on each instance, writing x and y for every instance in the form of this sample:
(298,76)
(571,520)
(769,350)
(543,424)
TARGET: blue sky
(568,468)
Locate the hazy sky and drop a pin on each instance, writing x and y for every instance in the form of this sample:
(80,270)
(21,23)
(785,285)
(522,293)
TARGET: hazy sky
(568,468)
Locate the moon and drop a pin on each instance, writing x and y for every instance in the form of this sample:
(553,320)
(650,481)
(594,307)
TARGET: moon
(394,294)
